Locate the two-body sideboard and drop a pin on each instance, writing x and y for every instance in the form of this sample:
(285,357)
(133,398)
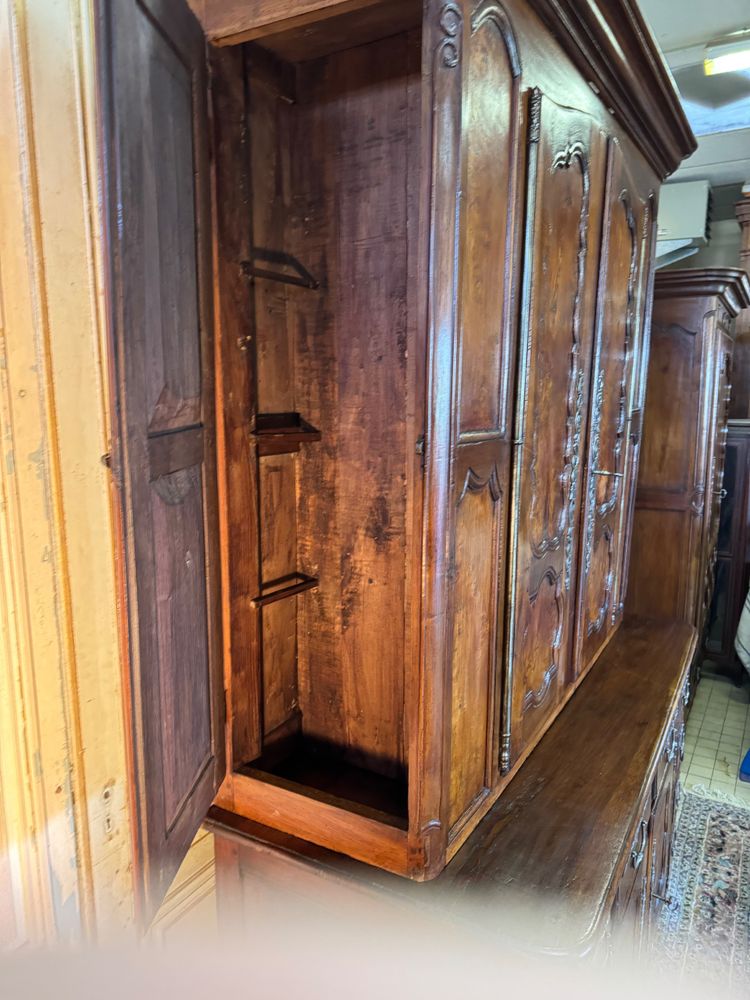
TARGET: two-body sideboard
(680,485)
(379,304)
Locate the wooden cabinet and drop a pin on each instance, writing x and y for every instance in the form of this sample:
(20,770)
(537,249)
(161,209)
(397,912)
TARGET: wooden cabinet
(407,247)
(732,571)
(680,482)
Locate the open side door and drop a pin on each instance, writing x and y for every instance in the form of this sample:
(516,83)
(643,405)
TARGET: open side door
(155,157)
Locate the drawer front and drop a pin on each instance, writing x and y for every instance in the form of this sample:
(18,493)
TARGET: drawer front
(672,750)
(630,899)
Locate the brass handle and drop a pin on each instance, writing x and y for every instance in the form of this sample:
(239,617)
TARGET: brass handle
(720,493)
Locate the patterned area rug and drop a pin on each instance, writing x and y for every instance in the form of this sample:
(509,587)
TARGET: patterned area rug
(706,930)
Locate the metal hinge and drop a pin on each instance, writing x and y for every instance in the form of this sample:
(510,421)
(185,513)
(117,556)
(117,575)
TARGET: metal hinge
(420,449)
(636,425)
(107,461)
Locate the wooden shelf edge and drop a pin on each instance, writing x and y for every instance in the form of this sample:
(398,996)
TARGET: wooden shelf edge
(330,826)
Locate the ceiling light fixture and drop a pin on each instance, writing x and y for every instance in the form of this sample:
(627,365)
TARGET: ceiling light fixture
(729,54)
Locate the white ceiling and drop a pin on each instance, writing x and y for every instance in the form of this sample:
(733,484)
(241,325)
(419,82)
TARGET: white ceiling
(682,29)
(679,24)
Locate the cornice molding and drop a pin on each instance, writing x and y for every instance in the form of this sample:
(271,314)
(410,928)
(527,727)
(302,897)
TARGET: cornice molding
(730,284)
(612,46)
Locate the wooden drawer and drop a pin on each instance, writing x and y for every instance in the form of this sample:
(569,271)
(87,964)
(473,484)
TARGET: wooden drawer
(630,899)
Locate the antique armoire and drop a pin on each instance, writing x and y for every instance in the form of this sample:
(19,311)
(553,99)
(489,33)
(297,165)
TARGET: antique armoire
(680,484)
(379,300)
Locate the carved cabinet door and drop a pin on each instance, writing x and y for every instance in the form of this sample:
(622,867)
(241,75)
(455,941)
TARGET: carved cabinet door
(616,403)
(490,162)
(566,157)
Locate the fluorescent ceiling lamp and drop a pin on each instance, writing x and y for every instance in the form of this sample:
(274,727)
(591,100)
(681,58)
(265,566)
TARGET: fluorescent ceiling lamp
(728,55)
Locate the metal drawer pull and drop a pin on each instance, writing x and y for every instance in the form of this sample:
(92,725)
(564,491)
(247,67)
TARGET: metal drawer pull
(638,854)
(720,493)
(667,900)
(613,475)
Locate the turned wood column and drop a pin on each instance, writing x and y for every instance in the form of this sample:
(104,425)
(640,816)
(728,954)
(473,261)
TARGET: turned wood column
(740,404)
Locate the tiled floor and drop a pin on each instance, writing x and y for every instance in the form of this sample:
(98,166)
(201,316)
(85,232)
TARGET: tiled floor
(718,736)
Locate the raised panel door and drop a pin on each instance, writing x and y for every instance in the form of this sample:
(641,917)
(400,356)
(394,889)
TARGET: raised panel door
(491,115)
(164,458)
(566,154)
(614,438)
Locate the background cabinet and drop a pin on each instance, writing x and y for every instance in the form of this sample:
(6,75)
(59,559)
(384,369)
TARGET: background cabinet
(732,572)
(680,481)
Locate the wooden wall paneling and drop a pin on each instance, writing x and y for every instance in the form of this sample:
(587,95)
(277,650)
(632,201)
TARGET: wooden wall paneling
(614,376)
(565,184)
(234,313)
(482,426)
(164,376)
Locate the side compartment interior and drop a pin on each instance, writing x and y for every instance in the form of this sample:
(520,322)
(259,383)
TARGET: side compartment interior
(331,164)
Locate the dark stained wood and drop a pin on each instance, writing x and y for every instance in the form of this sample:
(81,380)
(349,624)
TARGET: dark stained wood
(578,844)
(679,488)
(158,188)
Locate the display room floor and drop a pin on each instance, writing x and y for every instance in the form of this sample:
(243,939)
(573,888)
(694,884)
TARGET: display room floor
(717,737)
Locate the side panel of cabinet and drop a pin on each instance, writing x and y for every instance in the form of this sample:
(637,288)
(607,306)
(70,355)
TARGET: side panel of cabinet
(565,181)
(612,456)
(670,499)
